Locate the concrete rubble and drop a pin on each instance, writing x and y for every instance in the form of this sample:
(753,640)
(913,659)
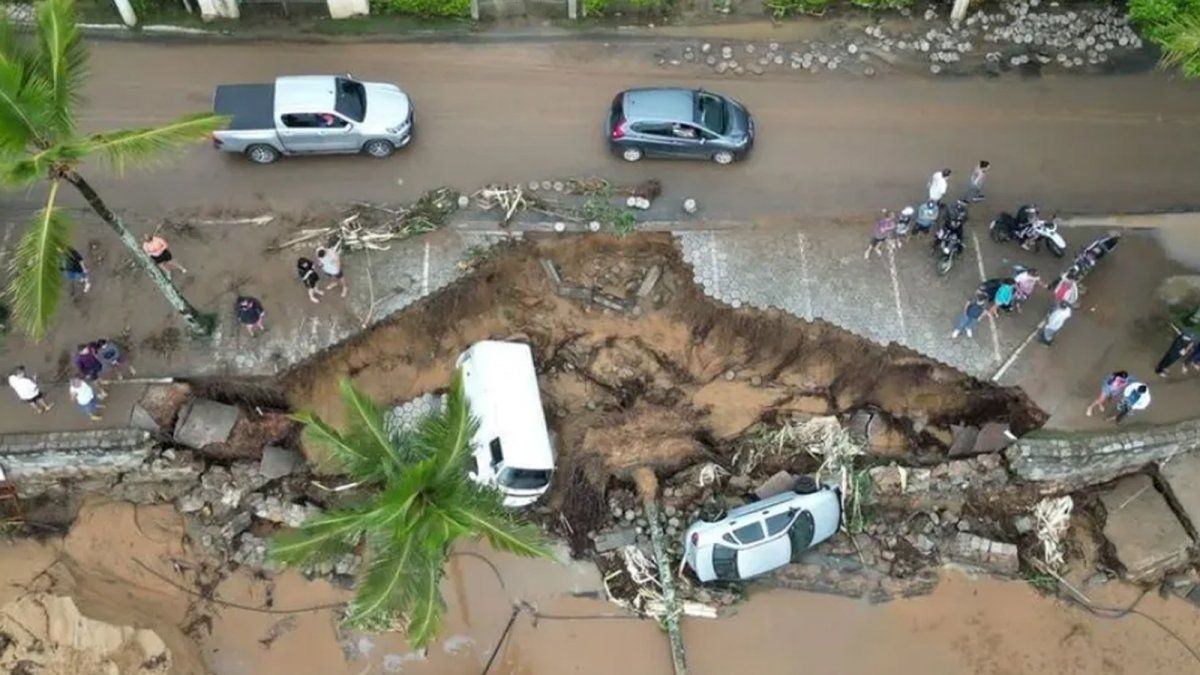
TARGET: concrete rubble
(1145,534)
(993,556)
(203,422)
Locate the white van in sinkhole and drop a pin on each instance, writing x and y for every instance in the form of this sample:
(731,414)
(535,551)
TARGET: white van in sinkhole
(511,450)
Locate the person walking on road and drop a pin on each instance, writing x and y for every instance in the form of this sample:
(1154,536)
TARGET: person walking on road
(904,223)
(884,227)
(1112,387)
(250,313)
(74,269)
(156,247)
(927,216)
(975,184)
(999,292)
(1067,290)
(26,388)
(1055,321)
(1027,281)
(86,399)
(1179,348)
(310,279)
(938,185)
(974,310)
(330,261)
(111,357)
(1135,396)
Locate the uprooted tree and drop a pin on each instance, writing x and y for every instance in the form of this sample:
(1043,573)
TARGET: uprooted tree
(41,76)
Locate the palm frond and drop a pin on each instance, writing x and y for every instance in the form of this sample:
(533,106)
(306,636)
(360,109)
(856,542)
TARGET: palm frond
(426,607)
(31,167)
(347,456)
(385,590)
(367,431)
(25,100)
(35,268)
(480,511)
(145,145)
(62,60)
(322,537)
(395,509)
(447,435)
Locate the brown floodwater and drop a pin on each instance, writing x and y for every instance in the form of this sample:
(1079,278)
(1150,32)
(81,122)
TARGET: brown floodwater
(967,625)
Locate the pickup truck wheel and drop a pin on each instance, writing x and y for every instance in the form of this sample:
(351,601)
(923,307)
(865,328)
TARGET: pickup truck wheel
(379,148)
(262,154)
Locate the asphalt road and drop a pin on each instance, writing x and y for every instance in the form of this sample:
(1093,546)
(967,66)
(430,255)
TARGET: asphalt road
(828,144)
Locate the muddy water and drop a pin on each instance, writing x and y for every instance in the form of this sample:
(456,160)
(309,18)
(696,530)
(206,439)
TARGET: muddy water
(965,626)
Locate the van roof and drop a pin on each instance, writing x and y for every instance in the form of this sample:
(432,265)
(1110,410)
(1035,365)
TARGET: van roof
(512,402)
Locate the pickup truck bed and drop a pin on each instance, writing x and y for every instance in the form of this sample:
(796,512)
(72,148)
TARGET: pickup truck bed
(252,106)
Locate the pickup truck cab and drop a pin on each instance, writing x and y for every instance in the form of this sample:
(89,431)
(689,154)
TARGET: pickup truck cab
(312,114)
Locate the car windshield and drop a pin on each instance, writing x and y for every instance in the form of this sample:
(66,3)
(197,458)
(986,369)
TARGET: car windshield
(523,479)
(351,99)
(711,112)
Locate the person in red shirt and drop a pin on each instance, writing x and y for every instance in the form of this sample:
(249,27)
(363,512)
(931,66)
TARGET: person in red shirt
(156,247)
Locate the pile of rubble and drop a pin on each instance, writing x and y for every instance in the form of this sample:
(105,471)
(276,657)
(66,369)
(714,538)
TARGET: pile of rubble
(1009,35)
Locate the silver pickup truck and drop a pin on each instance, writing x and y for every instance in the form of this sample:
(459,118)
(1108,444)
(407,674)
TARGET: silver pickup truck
(312,114)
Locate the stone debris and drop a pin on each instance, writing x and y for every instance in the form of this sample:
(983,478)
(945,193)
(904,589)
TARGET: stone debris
(1181,477)
(203,422)
(1147,538)
(778,483)
(279,462)
(994,556)
(615,539)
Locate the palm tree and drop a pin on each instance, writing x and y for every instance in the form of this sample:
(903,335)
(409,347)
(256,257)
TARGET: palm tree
(41,74)
(418,500)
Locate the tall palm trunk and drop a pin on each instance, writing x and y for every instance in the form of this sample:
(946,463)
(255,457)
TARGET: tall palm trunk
(196,322)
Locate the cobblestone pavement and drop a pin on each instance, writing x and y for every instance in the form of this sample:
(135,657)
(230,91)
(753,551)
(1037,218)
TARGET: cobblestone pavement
(820,273)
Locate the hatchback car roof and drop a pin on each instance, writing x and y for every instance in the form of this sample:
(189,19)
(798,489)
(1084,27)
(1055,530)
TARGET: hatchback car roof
(661,104)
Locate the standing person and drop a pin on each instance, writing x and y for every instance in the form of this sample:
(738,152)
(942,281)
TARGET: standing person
(1027,281)
(1179,348)
(26,388)
(975,308)
(86,398)
(904,224)
(1055,321)
(999,292)
(927,216)
(1067,290)
(89,365)
(310,279)
(250,313)
(938,185)
(879,235)
(1112,387)
(74,269)
(110,356)
(1136,396)
(330,261)
(1192,361)
(156,247)
(975,184)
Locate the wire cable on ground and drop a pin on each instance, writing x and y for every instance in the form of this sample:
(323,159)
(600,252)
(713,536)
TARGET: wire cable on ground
(234,605)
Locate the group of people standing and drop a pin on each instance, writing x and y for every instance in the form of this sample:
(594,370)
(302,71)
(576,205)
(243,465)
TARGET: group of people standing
(86,388)
(892,229)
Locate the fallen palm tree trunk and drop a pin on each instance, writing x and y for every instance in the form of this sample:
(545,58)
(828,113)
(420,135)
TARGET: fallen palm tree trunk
(648,489)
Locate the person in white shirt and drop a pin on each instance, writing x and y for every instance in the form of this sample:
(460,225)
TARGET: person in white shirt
(938,185)
(1135,397)
(27,390)
(85,397)
(975,184)
(330,261)
(1054,321)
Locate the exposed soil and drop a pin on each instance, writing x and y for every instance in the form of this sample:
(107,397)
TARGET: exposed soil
(666,382)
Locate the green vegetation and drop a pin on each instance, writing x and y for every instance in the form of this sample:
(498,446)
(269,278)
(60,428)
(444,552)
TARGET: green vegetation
(1175,26)
(881,4)
(423,8)
(415,500)
(782,8)
(642,7)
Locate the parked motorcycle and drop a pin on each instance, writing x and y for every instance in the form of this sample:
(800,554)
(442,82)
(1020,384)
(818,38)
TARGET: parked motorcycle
(1091,254)
(948,247)
(1030,230)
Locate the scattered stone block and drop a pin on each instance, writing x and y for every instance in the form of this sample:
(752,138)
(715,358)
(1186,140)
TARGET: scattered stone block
(964,440)
(649,281)
(140,418)
(779,483)
(551,271)
(615,539)
(993,437)
(203,422)
(1181,473)
(994,556)
(279,462)
(1146,535)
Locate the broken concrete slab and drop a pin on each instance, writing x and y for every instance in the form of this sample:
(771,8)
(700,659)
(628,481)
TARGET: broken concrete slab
(993,437)
(140,418)
(779,483)
(1181,474)
(976,551)
(204,422)
(1143,530)
(615,539)
(964,440)
(279,462)
(551,271)
(648,282)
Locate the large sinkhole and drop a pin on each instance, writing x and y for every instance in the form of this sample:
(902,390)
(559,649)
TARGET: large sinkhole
(638,368)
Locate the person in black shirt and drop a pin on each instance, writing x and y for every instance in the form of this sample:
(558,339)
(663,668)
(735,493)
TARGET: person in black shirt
(250,313)
(74,269)
(309,277)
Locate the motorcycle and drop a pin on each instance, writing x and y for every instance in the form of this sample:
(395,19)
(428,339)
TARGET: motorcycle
(948,246)
(1091,254)
(1030,231)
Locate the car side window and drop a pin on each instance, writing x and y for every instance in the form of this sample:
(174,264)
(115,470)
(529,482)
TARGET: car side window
(686,132)
(779,522)
(748,534)
(497,452)
(299,121)
(653,129)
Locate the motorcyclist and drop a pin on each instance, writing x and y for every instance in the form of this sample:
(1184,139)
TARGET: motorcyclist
(952,229)
(926,217)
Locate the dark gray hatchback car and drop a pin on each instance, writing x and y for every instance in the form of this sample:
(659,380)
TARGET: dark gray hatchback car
(687,123)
